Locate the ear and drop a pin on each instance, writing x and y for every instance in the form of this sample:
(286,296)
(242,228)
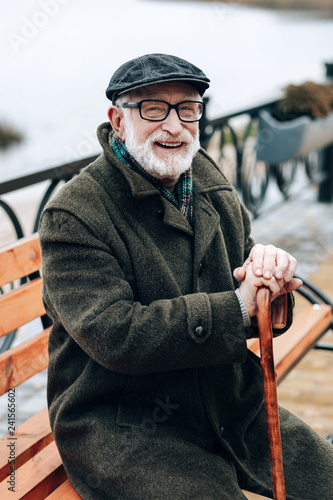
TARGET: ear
(116,117)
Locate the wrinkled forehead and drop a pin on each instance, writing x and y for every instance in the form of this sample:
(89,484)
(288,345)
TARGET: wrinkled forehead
(168,91)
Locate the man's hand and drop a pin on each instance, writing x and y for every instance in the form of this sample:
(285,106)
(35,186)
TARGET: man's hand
(268,266)
(268,261)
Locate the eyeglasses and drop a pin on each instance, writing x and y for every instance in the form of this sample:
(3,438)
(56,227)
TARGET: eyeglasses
(156,111)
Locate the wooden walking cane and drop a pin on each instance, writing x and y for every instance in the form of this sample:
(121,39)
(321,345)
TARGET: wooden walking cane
(279,317)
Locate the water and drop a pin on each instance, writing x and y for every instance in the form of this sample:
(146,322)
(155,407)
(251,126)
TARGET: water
(57,57)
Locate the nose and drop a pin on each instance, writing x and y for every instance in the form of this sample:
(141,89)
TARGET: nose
(172,123)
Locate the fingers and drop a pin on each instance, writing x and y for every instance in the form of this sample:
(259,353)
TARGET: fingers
(250,284)
(266,266)
(286,265)
(282,264)
(291,286)
(286,287)
(268,261)
(240,272)
(273,284)
(249,287)
(263,260)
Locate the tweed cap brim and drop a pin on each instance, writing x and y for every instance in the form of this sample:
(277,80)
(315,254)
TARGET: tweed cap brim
(152,69)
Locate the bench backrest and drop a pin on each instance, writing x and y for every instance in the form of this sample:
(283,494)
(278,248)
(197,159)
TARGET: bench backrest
(20,304)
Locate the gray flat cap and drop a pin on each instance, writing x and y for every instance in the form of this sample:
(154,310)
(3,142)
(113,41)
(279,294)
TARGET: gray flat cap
(151,69)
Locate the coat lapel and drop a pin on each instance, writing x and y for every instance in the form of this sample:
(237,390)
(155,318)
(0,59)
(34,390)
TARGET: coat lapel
(206,225)
(142,188)
(173,217)
(207,179)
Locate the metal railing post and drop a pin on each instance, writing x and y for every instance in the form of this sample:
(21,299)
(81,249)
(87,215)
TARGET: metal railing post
(325,193)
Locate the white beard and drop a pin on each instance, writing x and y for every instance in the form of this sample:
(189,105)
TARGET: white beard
(174,164)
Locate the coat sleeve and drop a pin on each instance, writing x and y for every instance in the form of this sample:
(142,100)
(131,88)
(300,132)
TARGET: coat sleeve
(87,295)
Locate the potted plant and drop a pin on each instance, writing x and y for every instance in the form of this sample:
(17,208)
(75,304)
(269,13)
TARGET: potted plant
(8,136)
(302,121)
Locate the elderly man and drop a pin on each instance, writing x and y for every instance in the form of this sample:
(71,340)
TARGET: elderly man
(150,279)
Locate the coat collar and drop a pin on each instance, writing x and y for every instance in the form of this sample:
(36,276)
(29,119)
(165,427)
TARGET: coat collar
(207,176)
(140,186)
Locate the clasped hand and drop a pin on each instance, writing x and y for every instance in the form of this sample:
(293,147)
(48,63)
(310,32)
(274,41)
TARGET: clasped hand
(268,266)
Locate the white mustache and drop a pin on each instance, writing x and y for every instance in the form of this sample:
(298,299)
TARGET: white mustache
(162,136)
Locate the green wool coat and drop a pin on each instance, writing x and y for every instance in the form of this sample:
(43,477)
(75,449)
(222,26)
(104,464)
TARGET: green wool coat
(152,392)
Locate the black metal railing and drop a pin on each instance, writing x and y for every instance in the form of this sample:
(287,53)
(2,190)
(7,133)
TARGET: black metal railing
(250,175)
(55,175)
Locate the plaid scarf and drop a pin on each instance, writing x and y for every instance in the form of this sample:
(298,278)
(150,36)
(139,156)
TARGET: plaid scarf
(181,198)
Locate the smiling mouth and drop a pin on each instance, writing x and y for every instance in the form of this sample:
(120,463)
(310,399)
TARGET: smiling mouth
(169,145)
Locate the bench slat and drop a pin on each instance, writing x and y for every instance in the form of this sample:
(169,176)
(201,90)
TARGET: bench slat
(306,330)
(31,437)
(19,259)
(20,306)
(253,496)
(23,361)
(64,492)
(38,477)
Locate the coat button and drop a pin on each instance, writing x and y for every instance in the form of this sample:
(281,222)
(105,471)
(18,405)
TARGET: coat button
(200,269)
(160,212)
(223,432)
(199,331)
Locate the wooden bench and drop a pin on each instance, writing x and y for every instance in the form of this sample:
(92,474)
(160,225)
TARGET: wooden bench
(38,472)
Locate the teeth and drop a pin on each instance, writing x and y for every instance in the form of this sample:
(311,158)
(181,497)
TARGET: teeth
(168,145)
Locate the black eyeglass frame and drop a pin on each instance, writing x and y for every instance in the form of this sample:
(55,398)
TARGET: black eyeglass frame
(171,106)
